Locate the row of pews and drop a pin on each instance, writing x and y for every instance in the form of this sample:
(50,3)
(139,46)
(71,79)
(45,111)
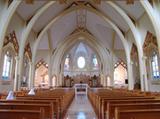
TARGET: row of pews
(45,104)
(124,104)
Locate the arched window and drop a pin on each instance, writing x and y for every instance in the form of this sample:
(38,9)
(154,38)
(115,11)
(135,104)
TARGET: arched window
(6,66)
(95,62)
(67,62)
(155,66)
(81,62)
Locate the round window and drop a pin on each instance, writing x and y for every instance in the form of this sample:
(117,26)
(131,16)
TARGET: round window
(81,62)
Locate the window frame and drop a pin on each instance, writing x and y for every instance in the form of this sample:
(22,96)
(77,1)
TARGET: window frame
(156,64)
(10,66)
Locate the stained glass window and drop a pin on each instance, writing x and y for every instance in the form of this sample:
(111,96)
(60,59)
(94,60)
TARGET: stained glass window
(155,67)
(95,62)
(67,62)
(81,62)
(6,66)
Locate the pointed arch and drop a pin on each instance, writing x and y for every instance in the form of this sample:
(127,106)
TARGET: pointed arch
(40,63)
(70,42)
(154,17)
(73,8)
(150,44)
(6,18)
(11,38)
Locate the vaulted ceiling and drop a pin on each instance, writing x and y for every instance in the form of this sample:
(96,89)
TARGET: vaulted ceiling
(66,24)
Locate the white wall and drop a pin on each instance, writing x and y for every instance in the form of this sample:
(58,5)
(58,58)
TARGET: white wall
(2,3)
(17,25)
(42,54)
(145,25)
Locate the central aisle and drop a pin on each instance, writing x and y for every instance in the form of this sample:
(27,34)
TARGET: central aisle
(81,109)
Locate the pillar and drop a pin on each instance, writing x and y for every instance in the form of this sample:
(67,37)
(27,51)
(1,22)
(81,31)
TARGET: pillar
(130,75)
(144,59)
(31,75)
(16,74)
(20,71)
(50,70)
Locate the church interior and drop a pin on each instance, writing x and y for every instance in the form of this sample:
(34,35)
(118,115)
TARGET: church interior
(80,59)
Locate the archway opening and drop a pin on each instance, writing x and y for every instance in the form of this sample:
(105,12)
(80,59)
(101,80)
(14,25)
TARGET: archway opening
(41,75)
(81,64)
(120,75)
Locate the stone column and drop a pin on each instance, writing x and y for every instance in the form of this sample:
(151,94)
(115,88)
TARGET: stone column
(31,75)
(130,75)
(145,80)
(16,74)
(50,70)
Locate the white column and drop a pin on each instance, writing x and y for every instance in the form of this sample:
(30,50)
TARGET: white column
(105,81)
(50,76)
(16,74)
(20,71)
(60,79)
(31,75)
(141,70)
(101,77)
(145,74)
(130,75)
(50,70)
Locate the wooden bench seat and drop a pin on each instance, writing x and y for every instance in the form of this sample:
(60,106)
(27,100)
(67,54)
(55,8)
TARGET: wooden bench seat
(112,107)
(102,99)
(48,108)
(21,114)
(54,102)
(54,106)
(137,114)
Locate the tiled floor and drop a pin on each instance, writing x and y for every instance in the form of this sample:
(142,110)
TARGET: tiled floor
(81,109)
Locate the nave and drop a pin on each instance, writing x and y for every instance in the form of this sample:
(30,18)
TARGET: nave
(47,47)
(62,103)
(81,108)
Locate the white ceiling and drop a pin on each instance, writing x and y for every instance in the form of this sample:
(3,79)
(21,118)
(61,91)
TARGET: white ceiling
(113,15)
(134,10)
(27,10)
(62,28)
(67,24)
(118,43)
(48,15)
(44,44)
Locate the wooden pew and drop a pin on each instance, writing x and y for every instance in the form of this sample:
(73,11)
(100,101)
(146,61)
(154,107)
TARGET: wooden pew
(102,97)
(48,113)
(22,114)
(106,105)
(99,100)
(130,106)
(137,114)
(53,105)
(63,98)
(59,100)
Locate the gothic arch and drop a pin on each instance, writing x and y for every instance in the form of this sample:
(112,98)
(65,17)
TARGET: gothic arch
(70,42)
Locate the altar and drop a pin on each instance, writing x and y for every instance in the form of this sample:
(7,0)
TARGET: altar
(81,89)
